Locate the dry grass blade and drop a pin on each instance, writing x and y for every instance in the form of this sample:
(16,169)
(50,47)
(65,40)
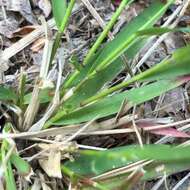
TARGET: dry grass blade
(25,41)
(55,102)
(69,130)
(32,108)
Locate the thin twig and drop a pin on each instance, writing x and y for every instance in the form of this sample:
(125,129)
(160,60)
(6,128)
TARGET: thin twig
(80,131)
(136,129)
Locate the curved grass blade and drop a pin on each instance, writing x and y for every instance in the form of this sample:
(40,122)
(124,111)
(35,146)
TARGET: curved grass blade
(159,31)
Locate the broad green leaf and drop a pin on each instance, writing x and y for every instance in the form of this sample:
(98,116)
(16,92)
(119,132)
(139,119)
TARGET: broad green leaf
(92,163)
(7,93)
(59,9)
(120,44)
(21,165)
(111,105)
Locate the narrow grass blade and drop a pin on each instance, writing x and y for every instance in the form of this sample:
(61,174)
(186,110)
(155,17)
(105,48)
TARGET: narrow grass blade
(6,166)
(21,90)
(112,50)
(63,23)
(59,11)
(9,177)
(159,31)
(119,45)
(177,65)
(111,105)
(106,30)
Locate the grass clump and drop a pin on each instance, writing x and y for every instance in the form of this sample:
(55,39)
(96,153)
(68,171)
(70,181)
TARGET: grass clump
(85,96)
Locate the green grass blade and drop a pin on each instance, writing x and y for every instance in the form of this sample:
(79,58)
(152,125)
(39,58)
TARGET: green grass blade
(21,165)
(151,172)
(92,163)
(7,94)
(159,31)
(9,177)
(111,105)
(62,27)
(83,92)
(177,65)
(21,90)
(119,45)
(93,84)
(107,54)
(59,10)
(106,74)
(7,169)
(103,35)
